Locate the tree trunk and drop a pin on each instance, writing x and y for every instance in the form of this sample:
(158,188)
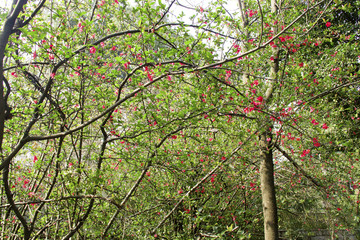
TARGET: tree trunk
(271,228)
(268,188)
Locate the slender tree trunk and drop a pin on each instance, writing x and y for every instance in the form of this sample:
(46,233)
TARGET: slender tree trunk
(268,188)
(271,228)
(266,150)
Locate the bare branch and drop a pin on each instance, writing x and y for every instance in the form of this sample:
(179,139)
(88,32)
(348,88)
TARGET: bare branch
(200,182)
(299,167)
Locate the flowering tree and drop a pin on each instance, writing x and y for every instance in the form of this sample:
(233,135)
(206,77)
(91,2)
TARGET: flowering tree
(131,120)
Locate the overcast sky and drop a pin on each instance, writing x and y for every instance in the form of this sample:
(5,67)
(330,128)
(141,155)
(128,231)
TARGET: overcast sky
(232,4)
(4,3)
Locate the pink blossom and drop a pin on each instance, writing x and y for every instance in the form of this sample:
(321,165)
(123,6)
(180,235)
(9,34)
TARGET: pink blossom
(81,27)
(328,24)
(228,74)
(92,50)
(314,122)
(256,82)
(150,77)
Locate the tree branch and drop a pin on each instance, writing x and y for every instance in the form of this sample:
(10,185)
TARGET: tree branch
(311,179)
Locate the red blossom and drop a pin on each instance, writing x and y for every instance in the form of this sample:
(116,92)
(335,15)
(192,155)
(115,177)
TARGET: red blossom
(150,77)
(328,24)
(305,152)
(228,74)
(256,82)
(316,142)
(92,50)
(314,122)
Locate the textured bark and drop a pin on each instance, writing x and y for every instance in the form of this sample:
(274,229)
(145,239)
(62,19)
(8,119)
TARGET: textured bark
(268,188)
(9,28)
(271,228)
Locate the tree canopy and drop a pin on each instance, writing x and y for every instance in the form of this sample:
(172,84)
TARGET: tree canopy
(177,120)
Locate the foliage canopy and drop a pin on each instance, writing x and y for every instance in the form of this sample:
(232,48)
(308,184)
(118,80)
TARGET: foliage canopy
(154,119)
